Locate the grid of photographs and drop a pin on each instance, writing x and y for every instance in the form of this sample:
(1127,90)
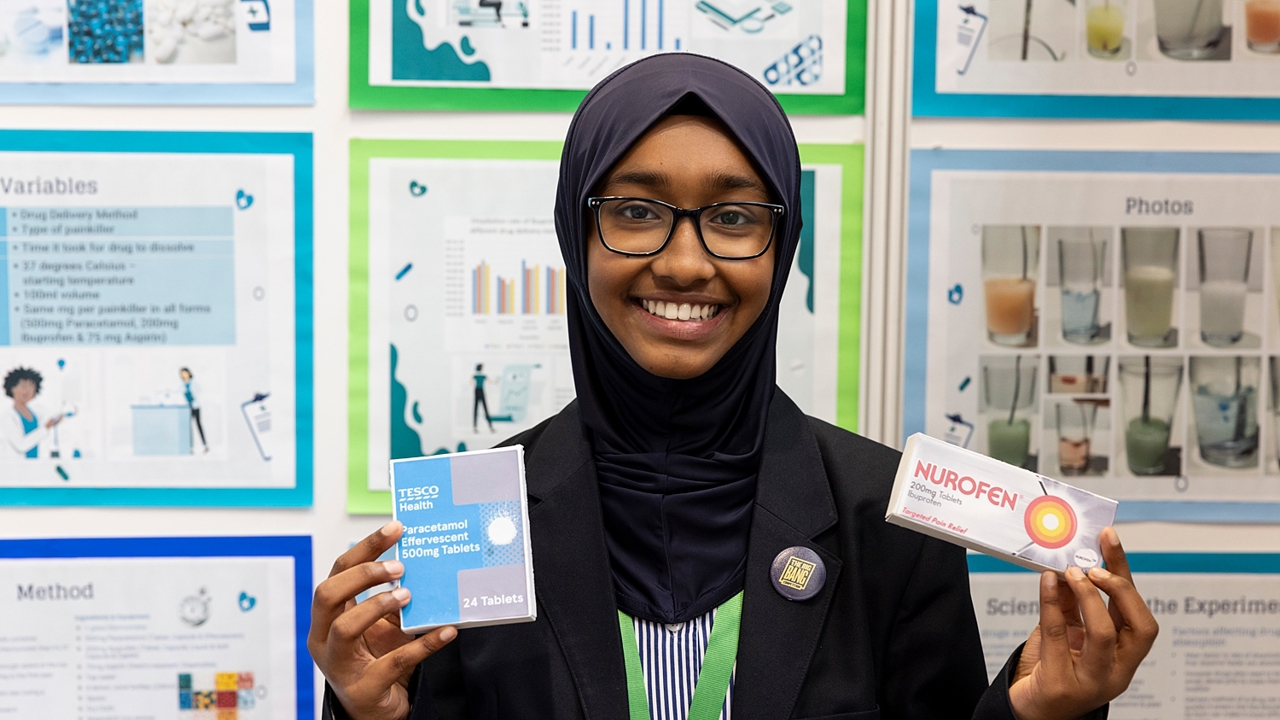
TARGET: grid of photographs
(1131,351)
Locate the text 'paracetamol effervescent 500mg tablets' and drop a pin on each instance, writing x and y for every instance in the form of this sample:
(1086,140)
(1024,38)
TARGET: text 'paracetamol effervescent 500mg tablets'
(995,508)
(465,548)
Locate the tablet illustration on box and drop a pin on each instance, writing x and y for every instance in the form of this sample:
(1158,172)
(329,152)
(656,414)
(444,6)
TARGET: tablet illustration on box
(995,508)
(465,548)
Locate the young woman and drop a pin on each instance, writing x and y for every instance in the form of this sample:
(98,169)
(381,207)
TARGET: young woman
(665,497)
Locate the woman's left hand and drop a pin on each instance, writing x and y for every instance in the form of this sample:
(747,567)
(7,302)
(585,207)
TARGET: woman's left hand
(1083,654)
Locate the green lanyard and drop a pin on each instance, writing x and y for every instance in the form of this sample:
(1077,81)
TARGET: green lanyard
(717,664)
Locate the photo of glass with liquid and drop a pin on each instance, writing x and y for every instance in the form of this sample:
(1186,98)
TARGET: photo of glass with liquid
(1189,29)
(1075,422)
(1224,258)
(1150,258)
(1262,25)
(1080,264)
(1224,400)
(1273,364)
(1149,396)
(1104,27)
(1010,259)
(1008,402)
(1078,374)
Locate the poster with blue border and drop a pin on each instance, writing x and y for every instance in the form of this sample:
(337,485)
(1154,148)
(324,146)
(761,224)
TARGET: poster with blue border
(155,318)
(1139,59)
(177,627)
(157,52)
(1215,655)
(1109,319)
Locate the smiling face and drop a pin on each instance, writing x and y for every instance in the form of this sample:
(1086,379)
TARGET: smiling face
(24,392)
(678,312)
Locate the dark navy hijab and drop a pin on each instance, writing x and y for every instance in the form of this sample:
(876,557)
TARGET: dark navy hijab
(677,459)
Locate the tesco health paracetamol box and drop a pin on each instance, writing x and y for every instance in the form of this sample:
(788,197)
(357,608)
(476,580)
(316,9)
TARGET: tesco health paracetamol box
(465,548)
(995,508)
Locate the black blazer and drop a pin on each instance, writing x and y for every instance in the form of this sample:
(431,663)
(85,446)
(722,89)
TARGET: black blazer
(892,634)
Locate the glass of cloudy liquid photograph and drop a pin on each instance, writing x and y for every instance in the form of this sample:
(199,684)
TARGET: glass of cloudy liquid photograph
(1081,257)
(1262,25)
(1010,259)
(1075,422)
(1009,404)
(1149,397)
(1224,259)
(1190,29)
(1150,258)
(1104,27)
(1224,400)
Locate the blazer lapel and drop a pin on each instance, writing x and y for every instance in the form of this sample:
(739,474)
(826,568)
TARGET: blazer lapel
(793,506)
(573,582)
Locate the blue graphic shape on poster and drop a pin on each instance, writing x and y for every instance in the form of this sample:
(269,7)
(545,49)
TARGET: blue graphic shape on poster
(411,59)
(915,363)
(804,254)
(405,441)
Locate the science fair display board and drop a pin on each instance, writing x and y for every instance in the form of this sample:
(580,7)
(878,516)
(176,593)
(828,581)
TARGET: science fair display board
(458,298)
(1219,618)
(157,52)
(1189,59)
(1105,318)
(520,55)
(155,318)
(156,627)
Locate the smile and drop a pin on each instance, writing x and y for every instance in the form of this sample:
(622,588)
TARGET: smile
(680,311)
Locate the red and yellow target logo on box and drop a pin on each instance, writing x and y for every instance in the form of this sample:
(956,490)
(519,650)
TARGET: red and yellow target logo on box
(1051,522)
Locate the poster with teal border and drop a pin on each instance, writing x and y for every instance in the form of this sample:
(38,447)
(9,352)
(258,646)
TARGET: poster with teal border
(1219,616)
(458,334)
(543,55)
(155,318)
(1134,59)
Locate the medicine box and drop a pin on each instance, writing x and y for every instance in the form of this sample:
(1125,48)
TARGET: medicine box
(465,548)
(995,508)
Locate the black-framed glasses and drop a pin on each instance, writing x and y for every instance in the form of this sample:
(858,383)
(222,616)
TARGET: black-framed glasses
(728,230)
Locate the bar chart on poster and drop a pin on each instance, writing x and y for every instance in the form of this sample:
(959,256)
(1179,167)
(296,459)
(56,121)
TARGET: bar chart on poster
(462,301)
(1112,319)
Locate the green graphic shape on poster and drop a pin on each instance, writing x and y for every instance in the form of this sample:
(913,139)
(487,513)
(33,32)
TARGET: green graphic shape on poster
(504,55)
(459,337)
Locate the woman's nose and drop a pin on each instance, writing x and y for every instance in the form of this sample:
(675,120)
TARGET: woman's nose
(684,261)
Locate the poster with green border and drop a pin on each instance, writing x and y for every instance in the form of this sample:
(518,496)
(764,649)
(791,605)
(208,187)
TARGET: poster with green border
(446,320)
(546,54)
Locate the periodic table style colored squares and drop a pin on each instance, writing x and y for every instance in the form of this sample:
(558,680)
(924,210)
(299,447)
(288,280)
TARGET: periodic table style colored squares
(204,700)
(247,700)
(226,681)
(244,681)
(233,692)
(231,714)
(227,699)
(185,700)
(184,681)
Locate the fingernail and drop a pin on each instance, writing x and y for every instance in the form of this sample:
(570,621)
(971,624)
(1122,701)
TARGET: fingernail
(1051,580)
(390,528)
(400,594)
(448,633)
(1099,573)
(1113,537)
(393,567)
(1075,573)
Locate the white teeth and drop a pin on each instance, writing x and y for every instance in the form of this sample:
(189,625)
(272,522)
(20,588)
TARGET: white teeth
(681,311)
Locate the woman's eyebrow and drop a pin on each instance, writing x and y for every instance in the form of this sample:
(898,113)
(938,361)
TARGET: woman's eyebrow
(644,178)
(732,181)
(659,180)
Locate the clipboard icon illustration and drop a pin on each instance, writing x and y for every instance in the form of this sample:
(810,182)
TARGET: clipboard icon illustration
(959,432)
(257,415)
(969,33)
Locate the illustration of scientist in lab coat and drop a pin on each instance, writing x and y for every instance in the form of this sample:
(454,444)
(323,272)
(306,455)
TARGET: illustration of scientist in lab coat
(21,429)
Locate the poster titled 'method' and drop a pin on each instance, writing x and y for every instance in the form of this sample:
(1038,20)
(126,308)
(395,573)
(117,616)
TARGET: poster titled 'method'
(1111,319)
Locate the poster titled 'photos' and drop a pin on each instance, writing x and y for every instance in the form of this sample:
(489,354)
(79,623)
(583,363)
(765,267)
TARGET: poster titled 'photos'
(1117,329)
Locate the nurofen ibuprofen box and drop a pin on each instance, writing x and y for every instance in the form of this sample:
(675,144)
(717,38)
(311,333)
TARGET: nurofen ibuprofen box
(995,508)
(465,548)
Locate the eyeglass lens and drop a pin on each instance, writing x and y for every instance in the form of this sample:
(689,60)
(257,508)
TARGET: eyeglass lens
(731,230)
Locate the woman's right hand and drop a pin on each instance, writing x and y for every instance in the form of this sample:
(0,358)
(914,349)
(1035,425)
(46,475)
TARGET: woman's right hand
(360,648)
